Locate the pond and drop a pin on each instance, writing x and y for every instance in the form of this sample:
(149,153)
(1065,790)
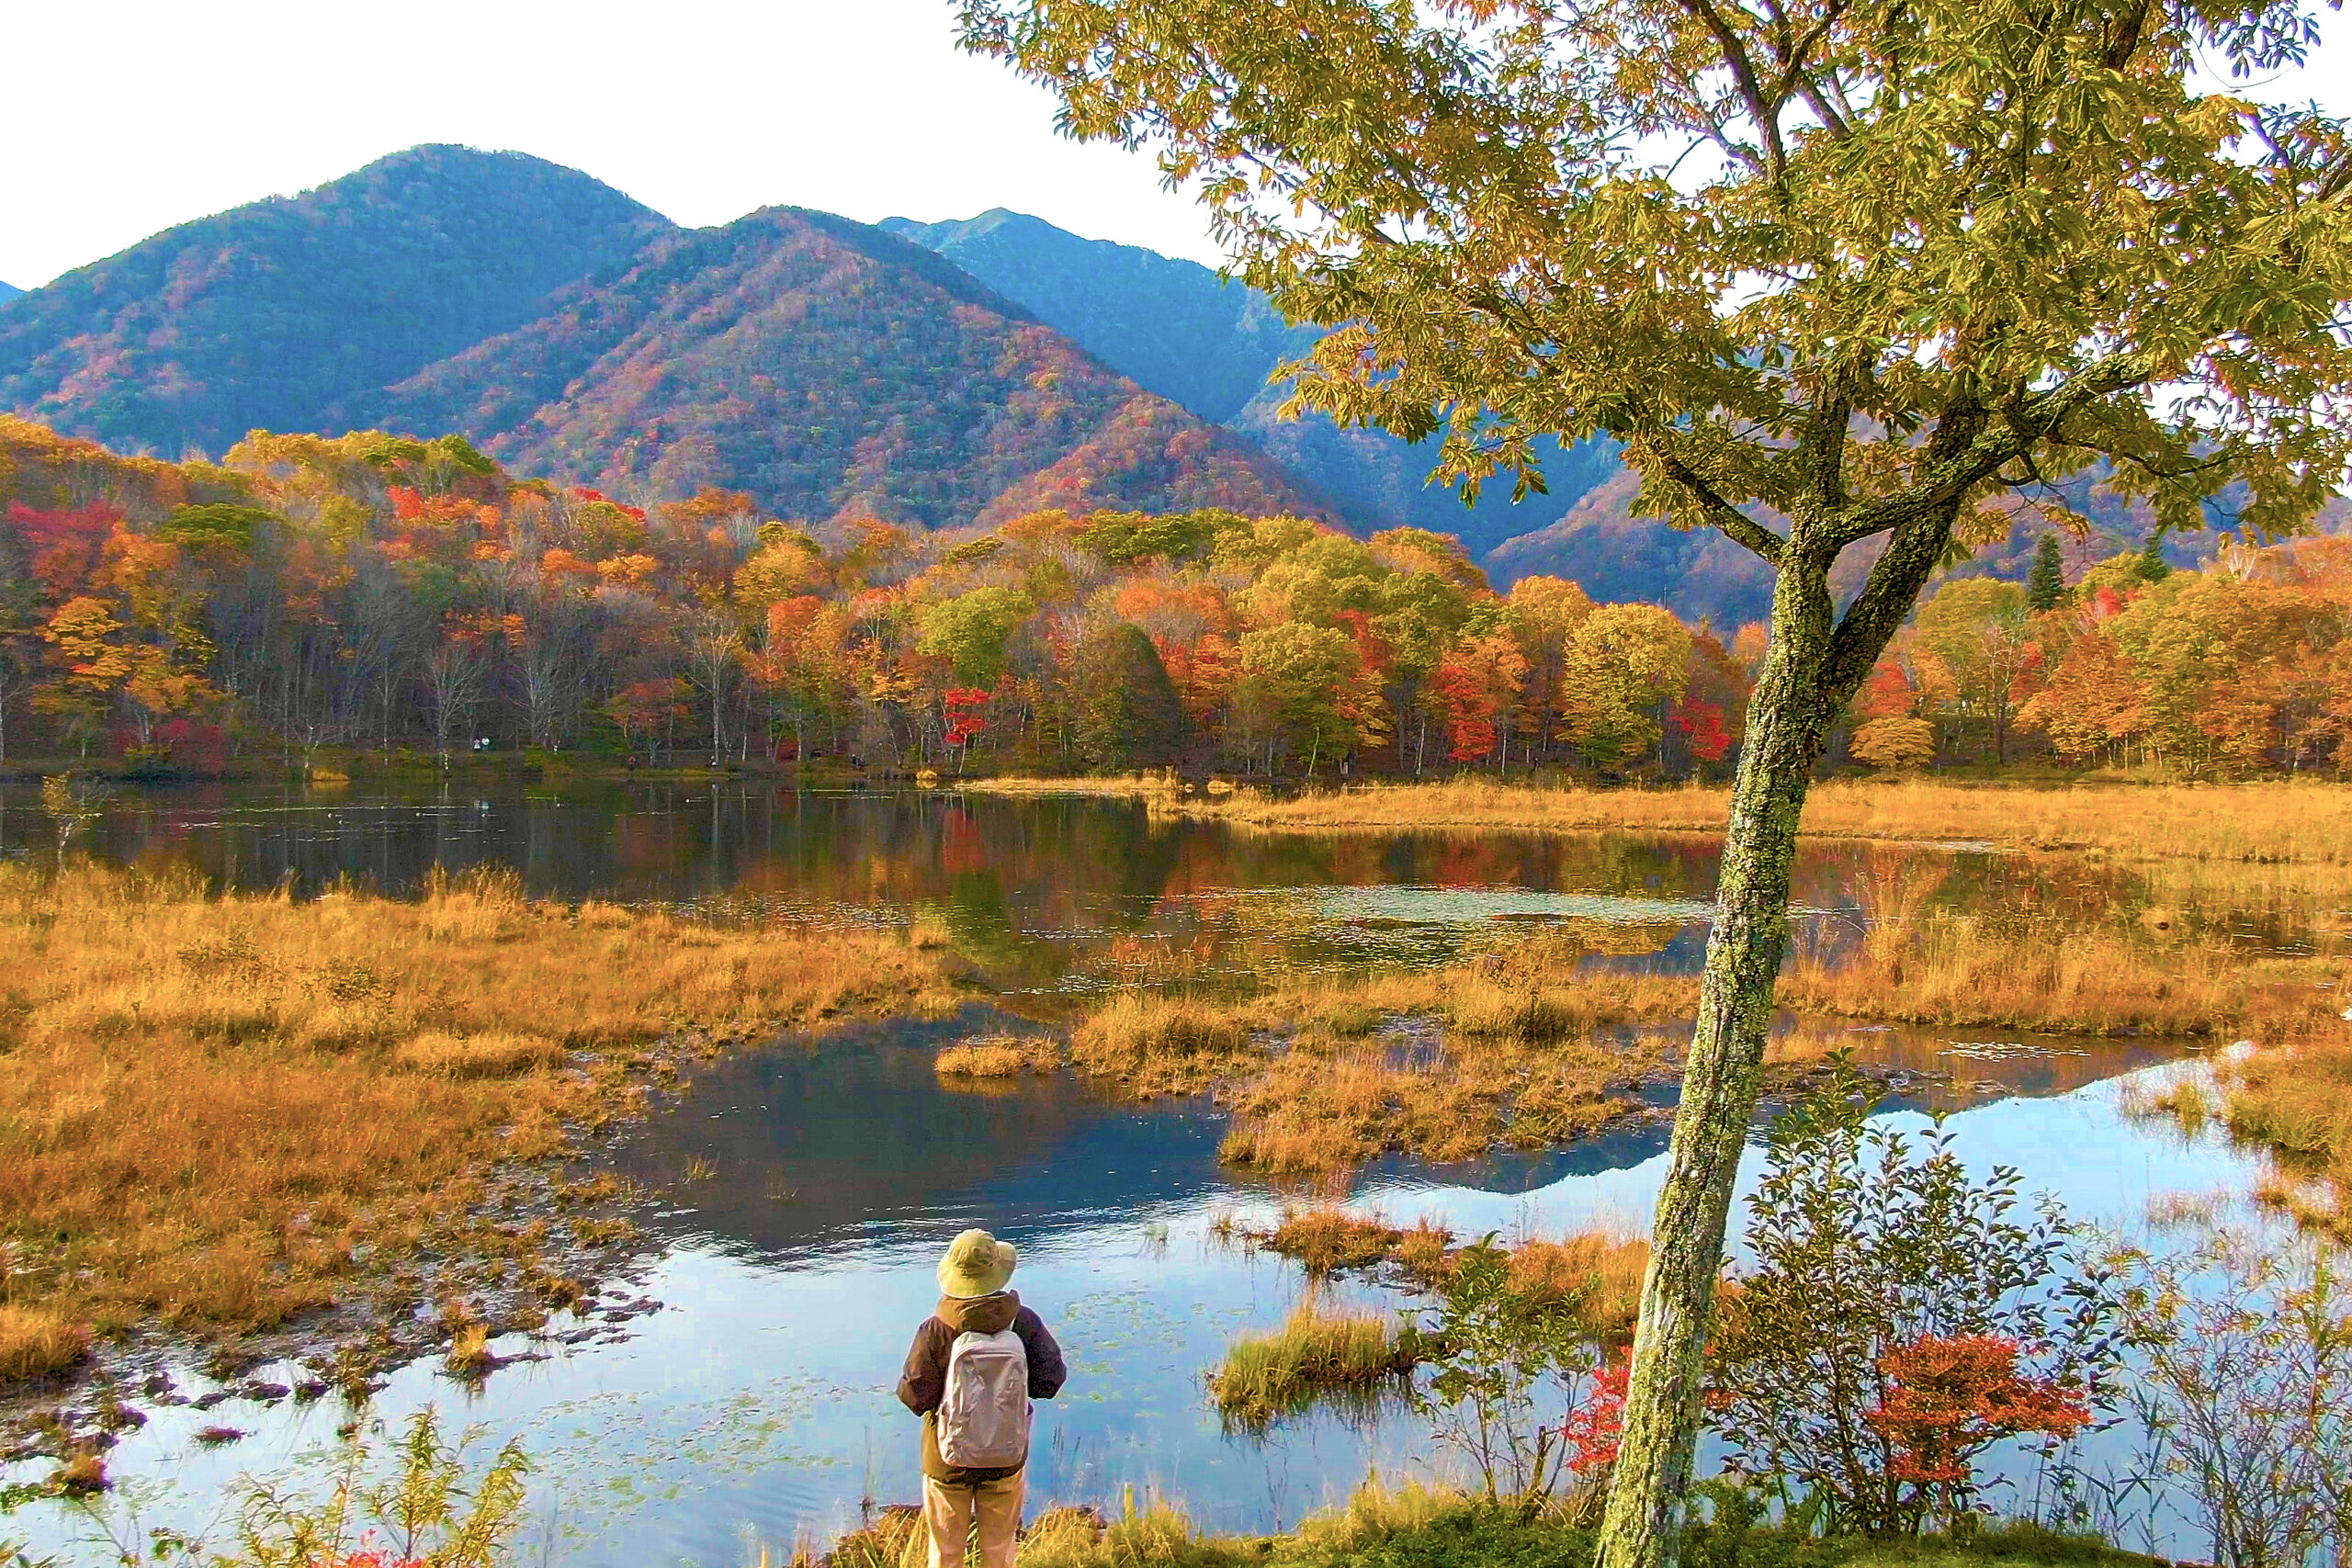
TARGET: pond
(806,1187)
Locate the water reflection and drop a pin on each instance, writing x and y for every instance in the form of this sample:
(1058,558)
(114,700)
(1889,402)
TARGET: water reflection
(1052,896)
(756,1404)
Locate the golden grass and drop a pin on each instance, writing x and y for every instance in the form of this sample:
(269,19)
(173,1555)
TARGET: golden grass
(2252,822)
(1159,1044)
(2295,1102)
(497,1054)
(208,1104)
(1315,1352)
(998,1056)
(1497,1053)
(1325,1238)
(1599,1270)
(36,1345)
(2063,978)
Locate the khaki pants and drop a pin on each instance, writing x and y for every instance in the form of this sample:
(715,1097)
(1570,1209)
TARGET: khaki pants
(992,1509)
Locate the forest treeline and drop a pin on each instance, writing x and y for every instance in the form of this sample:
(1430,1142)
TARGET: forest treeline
(374,592)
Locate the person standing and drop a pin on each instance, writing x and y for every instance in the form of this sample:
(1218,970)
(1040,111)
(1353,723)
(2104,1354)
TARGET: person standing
(975,1365)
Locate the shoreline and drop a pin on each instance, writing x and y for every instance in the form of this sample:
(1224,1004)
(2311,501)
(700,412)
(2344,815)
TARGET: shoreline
(239,1129)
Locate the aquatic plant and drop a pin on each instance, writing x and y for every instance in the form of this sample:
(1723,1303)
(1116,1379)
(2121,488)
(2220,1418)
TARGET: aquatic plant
(1317,1351)
(429,1514)
(998,1056)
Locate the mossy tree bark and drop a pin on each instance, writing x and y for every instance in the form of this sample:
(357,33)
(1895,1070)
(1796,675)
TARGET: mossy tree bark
(1812,666)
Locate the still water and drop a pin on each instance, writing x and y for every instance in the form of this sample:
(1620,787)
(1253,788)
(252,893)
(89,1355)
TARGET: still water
(807,1187)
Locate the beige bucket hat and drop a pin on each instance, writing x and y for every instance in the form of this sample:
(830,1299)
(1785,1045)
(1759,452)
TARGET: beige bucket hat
(977,1264)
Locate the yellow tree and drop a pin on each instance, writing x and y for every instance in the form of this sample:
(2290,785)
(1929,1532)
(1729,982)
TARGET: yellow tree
(1833,275)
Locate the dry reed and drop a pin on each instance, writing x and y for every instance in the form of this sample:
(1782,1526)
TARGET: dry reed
(1160,1044)
(998,1056)
(38,1344)
(2261,823)
(1599,1270)
(209,1104)
(2064,978)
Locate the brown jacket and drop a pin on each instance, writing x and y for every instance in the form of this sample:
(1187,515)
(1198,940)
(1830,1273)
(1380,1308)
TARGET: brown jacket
(924,1382)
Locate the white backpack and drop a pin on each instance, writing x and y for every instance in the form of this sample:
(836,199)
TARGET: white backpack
(984,1418)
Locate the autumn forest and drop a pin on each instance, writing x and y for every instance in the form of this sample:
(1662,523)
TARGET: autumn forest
(380,594)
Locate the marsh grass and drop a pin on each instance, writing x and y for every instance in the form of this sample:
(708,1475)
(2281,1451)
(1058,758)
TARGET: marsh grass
(1158,1045)
(1524,1047)
(1599,1270)
(2259,823)
(998,1056)
(1316,1352)
(2064,978)
(209,1104)
(38,1346)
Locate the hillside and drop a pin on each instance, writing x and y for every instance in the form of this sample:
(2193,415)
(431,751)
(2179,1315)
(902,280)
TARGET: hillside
(9,291)
(288,312)
(826,368)
(1179,331)
(1171,326)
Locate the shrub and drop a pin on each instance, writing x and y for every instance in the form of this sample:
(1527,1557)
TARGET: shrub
(1495,1346)
(1881,1264)
(426,1512)
(2246,1370)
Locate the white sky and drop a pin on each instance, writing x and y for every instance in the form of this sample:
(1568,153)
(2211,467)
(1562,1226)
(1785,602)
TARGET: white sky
(126,117)
(149,114)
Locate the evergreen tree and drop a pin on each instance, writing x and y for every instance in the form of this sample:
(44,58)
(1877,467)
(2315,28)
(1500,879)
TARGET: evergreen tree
(2153,567)
(1129,715)
(2047,586)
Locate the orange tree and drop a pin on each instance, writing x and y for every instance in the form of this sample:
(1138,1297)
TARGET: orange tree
(1834,272)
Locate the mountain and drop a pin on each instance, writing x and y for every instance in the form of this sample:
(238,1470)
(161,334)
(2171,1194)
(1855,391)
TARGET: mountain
(1210,345)
(9,291)
(1168,325)
(288,312)
(828,368)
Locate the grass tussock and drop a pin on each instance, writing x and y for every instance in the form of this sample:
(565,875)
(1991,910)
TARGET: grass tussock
(36,1346)
(1160,1044)
(1315,1353)
(998,1056)
(208,1104)
(1599,1270)
(498,1054)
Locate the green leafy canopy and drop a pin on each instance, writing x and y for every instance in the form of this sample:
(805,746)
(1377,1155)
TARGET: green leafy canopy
(1830,270)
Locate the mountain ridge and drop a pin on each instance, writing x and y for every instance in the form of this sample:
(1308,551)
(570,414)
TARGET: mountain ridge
(280,313)
(828,368)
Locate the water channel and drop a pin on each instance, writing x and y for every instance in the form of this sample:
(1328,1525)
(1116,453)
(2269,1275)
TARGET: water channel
(754,1407)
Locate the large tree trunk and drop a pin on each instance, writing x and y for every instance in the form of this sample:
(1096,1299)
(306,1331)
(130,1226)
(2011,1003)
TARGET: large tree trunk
(1788,722)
